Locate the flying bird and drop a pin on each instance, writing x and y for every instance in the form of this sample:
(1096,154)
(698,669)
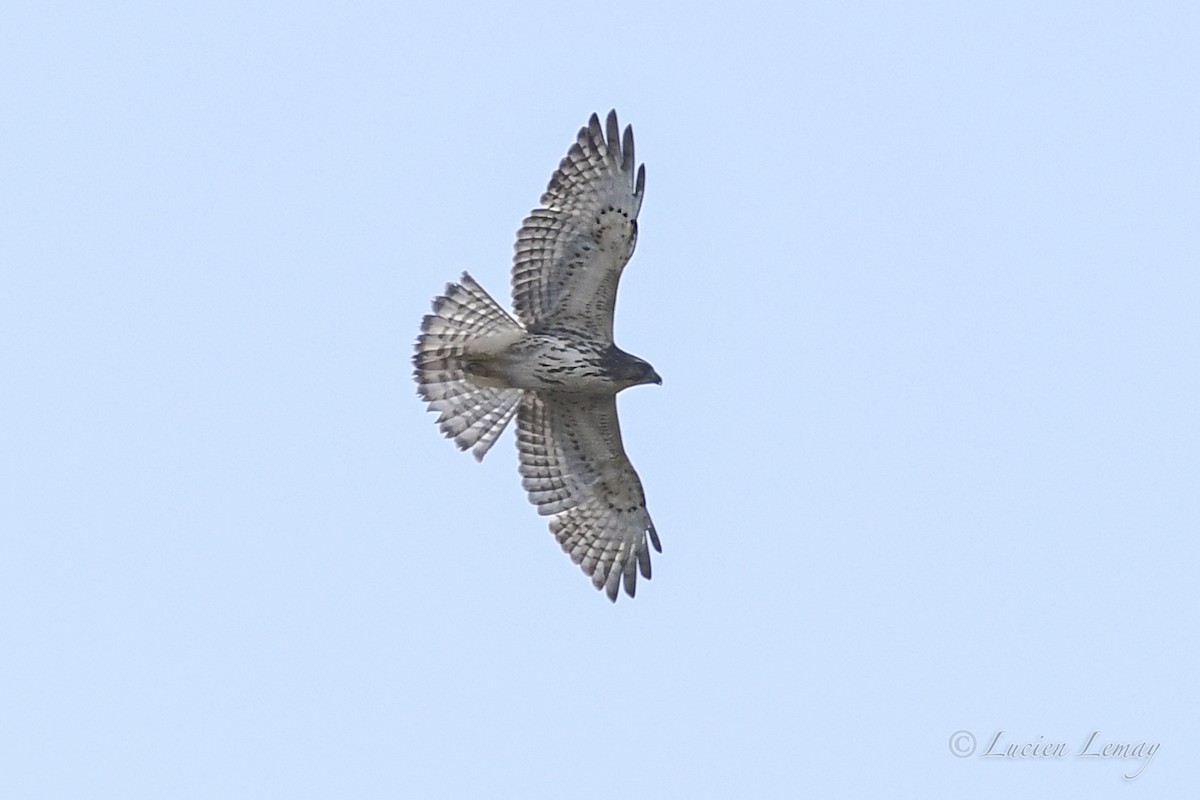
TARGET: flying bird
(555,367)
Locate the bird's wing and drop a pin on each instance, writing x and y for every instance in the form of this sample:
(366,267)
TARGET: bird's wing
(575,470)
(571,251)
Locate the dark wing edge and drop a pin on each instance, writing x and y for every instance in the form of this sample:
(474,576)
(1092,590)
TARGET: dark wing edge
(575,470)
(595,155)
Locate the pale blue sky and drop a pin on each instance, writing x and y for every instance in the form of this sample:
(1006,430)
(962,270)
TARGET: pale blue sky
(922,283)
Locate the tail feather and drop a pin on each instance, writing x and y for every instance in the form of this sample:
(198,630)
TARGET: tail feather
(480,423)
(472,415)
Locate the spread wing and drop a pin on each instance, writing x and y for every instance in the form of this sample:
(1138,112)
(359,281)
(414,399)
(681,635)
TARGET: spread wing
(570,253)
(575,470)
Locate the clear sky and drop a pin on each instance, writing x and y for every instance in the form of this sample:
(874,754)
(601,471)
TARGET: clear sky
(922,281)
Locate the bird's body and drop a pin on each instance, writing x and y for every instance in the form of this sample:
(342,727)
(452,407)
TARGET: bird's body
(549,362)
(555,366)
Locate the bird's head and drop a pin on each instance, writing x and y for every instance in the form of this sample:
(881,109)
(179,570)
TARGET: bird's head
(649,375)
(629,370)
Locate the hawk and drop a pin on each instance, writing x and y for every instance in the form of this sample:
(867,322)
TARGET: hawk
(555,367)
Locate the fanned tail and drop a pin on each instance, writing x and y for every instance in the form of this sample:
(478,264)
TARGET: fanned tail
(471,414)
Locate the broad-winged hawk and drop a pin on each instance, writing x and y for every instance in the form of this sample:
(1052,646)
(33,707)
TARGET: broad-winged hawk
(555,366)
